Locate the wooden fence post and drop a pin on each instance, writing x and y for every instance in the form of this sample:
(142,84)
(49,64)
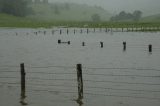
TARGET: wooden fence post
(44,32)
(106,29)
(94,30)
(87,30)
(23,88)
(124,46)
(80,81)
(67,31)
(59,41)
(150,48)
(101,44)
(83,43)
(69,42)
(122,29)
(74,31)
(60,31)
(81,31)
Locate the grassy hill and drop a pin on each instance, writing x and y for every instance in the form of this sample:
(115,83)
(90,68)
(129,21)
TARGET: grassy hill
(9,20)
(67,12)
(152,18)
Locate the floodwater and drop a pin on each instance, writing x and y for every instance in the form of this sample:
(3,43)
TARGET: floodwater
(111,76)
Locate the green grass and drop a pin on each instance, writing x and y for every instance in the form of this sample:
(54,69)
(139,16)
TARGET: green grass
(153,18)
(76,16)
(12,21)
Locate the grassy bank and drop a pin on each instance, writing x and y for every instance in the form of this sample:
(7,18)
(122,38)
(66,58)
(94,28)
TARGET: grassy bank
(12,21)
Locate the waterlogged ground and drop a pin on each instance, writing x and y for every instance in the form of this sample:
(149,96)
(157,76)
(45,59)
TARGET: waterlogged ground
(111,76)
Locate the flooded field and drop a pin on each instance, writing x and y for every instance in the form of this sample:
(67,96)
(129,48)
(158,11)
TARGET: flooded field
(112,76)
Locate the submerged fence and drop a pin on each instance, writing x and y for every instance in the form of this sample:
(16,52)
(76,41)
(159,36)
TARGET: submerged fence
(95,81)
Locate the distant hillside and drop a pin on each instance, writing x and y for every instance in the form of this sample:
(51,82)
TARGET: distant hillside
(67,12)
(154,18)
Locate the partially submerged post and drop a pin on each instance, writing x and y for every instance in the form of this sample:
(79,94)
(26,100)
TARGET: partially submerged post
(81,31)
(67,31)
(150,48)
(22,80)
(69,42)
(87,30)
(44,32)
(122,29)
(74,31)
(80,81)
(60,31)
(101,43)
(124,46)
(59,41)
(83,43)
(106,30)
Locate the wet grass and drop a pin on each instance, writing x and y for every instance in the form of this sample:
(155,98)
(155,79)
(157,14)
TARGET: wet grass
(12,21)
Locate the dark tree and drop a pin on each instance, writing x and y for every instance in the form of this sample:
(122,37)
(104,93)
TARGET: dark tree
(123,16)
(45,1)
(1,5)
(37,1)
(15,7)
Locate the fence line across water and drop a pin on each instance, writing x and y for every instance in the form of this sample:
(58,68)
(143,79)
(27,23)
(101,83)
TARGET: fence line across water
(80,79)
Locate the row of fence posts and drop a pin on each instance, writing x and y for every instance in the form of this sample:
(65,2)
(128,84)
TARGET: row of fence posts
(102,45)
(94,30)
(111,29)
(79,81)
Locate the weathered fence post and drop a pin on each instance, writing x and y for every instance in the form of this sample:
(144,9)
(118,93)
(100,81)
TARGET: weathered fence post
(52,32)
(150,48)
(59,41)
(80,81)
(101,43)
(81,31)
(83,43)
(69,42)
(87,30)
(67,31)
(106,29)
(22,80)
(74,31)
(44,32)
(124,46)
(36,33)
(60,31)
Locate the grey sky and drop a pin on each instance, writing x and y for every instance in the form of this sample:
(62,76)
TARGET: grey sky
(114,6)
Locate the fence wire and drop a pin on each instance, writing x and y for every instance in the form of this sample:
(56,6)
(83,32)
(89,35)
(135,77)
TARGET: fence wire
(88,71)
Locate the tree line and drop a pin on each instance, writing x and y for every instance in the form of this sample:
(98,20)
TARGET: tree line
(15,7)
(123,16)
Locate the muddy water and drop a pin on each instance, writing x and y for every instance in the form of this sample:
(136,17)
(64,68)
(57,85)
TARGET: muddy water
(112,77)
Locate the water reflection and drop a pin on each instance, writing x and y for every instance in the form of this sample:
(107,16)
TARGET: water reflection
(22,99)
(80,102)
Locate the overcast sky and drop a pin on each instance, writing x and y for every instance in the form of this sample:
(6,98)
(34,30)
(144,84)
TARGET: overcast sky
(114,6)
